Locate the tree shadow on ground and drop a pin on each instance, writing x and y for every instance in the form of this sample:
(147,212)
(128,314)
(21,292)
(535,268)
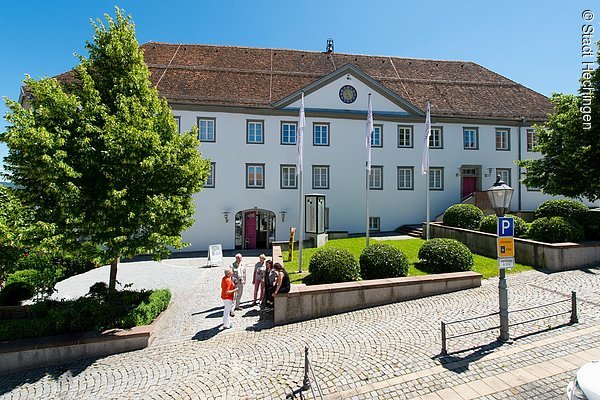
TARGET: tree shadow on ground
(9,382)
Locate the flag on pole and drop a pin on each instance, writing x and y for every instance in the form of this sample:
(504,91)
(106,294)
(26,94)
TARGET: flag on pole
(300,137)
(368,133)
(427,135)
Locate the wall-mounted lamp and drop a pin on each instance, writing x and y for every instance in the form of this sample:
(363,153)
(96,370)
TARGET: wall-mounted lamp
(489,173)
(282,213)
(226,216)
(458,172)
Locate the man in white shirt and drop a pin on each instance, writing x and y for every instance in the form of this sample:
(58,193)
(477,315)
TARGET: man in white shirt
(239,278)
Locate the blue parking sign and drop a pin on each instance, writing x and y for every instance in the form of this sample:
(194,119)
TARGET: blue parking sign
(506,227)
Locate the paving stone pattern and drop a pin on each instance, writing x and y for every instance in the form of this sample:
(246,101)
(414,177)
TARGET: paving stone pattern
(355,355)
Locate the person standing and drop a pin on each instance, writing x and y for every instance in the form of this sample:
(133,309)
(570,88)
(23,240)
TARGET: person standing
(239,278)
(283,280)
(270,281)
(227,291)
(258,278)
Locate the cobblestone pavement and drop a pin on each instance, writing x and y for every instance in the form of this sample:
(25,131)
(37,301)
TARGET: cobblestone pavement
(387,352)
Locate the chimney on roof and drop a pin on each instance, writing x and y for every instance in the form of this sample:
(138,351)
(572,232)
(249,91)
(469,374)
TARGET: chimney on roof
(329,46)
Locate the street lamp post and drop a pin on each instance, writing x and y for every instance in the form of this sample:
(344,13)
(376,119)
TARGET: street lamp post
(500,195)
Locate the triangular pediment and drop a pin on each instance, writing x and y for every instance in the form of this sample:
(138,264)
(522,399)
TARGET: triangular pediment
(346,90)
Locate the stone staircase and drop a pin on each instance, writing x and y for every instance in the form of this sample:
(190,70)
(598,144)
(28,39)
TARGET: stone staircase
(411,230)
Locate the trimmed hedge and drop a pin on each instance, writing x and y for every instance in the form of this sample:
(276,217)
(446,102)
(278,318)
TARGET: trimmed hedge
(463,216)
(555,230)
(445,255)
(14,293)
(489,224)
(330,265)
(382,261)
(572,209)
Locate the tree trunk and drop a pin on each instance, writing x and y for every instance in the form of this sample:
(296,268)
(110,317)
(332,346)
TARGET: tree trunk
(113,275)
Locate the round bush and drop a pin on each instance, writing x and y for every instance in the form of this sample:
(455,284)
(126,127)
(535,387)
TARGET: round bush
(30,276)
(591,227)
(382,261)
(445,255)
(15,292)
(555,230)
(463,216)
(489,224)
(329,265)
(572,209)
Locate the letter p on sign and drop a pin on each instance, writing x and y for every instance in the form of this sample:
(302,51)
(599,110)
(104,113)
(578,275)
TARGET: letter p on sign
(506,227)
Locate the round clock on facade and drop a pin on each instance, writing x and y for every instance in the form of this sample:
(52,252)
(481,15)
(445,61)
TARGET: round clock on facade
(348,94)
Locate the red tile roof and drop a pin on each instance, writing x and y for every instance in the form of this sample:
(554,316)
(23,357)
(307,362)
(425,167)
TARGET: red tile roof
(255,77)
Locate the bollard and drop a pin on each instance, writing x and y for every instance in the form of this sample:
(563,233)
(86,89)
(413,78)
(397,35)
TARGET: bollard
(574,318)
(444,350)
(306,382)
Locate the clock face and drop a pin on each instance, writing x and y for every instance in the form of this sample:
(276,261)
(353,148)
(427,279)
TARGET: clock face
(348,94)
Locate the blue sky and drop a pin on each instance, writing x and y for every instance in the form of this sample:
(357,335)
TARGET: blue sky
(535,43)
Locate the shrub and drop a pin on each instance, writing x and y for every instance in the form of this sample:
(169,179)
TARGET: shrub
(555,230)
(591,227)
(463,216)
(382,261)
(14,293)
(148,310)
(489,224)
(445,255)
(572,209)
(329,265)
(29,276)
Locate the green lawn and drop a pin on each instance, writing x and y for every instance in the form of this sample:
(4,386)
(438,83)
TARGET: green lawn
(488,267)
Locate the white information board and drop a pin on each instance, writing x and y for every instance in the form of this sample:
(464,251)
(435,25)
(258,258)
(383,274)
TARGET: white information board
(215,254)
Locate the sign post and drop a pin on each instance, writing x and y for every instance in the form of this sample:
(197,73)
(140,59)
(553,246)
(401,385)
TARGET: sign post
(506,259)
(291,244)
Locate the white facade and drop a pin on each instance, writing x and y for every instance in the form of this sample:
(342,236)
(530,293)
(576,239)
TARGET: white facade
(345,157)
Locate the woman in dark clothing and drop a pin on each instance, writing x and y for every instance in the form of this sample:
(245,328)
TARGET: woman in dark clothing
(283,280)
(270,280)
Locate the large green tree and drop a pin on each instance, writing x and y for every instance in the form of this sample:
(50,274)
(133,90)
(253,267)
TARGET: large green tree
(570,165)
(98,154)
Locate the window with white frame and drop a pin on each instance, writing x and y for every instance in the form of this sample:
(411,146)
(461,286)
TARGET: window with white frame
(255,176)
(405,136)
(288,132)
(436,178)
(532,138)
(504,174)
(254,132)
(288,177)
(206,129)
(178,123)
(502,139)
(405,178)
(376,178)
(321,134)
(470,138)
(436,140)
(376,136)
(320,175)
(210,180)
(375,224)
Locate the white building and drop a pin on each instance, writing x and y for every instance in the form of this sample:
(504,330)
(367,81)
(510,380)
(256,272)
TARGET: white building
(246,101)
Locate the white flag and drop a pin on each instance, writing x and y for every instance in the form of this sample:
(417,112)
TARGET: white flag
(368,132)
(300,137)
(426,136)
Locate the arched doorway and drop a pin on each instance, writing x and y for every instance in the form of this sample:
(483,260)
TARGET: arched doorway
(254,229)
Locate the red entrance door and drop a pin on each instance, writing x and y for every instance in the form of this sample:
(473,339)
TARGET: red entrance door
(469,185)
(250,230)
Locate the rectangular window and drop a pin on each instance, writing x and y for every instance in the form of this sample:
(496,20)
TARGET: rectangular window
(531,139)
(436,178)
(377,136)
(178,123)
(471,138)
(207,129)
(376,178)
(320,175)
(210,181)
(374,224)
(288,177)
(255,176)
(503,139)
(504,174)
(288,132)
(321,135)
(405,136)
(254,132)
(436,140)
(405,178)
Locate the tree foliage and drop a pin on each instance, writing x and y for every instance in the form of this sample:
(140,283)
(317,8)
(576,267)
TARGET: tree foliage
(99,156)
(571,156)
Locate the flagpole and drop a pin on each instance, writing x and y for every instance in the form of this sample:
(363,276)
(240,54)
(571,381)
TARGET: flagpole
(425,165)
(367,173)
(427,202)
(368,133)
(300,222)
(299,151)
